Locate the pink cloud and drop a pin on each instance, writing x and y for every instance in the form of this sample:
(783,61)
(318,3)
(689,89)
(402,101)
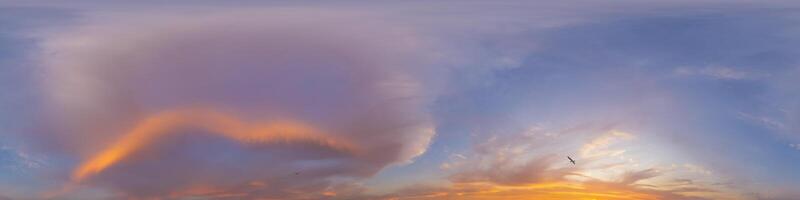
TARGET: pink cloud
(347,75)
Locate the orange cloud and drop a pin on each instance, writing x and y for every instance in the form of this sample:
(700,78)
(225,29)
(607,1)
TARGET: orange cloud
(543,191)
(163,124)
(512,167)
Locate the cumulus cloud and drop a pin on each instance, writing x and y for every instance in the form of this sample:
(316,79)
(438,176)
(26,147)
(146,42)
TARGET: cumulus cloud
(305,99)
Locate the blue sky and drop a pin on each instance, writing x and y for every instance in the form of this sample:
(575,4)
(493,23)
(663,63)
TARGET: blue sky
(412,100)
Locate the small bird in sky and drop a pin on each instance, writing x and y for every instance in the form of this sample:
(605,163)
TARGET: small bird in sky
(571,160)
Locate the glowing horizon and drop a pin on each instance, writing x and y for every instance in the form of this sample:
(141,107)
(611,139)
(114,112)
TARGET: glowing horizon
(484,100)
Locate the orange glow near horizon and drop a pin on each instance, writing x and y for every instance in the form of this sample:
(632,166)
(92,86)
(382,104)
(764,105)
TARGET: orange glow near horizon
(154,127)
(541,191)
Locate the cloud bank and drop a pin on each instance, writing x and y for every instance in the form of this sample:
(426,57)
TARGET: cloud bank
(277,103)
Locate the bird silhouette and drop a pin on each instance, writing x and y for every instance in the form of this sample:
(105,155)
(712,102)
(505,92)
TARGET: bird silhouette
(571,160)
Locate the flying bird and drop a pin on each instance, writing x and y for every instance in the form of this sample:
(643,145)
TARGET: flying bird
(571,160)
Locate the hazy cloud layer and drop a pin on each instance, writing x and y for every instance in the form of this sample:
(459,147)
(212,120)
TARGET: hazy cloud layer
(336,72)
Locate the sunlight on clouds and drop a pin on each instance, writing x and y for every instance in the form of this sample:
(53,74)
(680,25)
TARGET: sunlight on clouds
(154,127)
(598,146)
(389,100)
(318,90)
(546,190)
(604,171)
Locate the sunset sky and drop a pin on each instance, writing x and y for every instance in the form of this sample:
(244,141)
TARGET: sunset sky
(685,99)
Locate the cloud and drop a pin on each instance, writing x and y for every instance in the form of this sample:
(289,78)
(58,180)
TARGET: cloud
(18,161)
(535,170)
(109,76)
(509,167)
(598,146)
(158,105)
(717,72)
(154,127)
(630,178)
(795,146)
(766,121)
(784,94)
(604,70)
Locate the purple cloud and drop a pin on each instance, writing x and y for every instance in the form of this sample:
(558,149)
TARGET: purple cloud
(341,73)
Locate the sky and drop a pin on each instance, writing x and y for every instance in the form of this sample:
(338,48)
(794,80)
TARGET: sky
(400,100)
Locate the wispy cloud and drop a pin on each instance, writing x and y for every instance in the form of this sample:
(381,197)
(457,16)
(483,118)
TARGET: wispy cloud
(795,146)
(719,72)
(291,100)
(505,168)
(19,161)
(763,120)
(598,146)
